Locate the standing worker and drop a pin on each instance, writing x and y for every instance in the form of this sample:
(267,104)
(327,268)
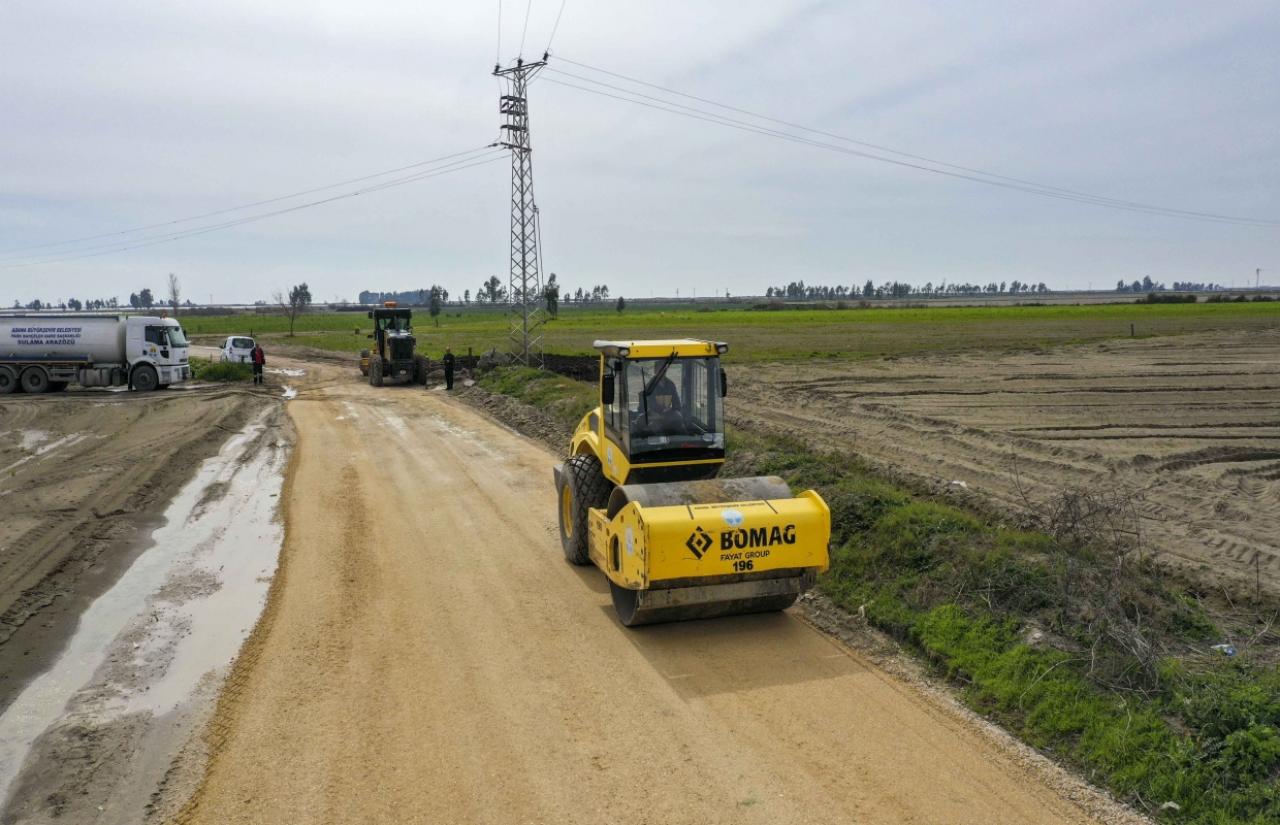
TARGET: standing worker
(259,359)
(448,368)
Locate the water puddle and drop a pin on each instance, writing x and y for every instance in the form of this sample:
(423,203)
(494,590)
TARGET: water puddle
(180,612)
(292,373)
(45,447)
(289,392)
(32,439)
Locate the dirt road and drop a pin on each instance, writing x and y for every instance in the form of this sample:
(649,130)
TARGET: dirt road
(427,656)
(1188,426)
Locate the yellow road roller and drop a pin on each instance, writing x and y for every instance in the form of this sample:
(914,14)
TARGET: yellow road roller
(640,498)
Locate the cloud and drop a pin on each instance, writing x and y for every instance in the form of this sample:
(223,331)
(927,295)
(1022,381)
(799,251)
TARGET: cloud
(126,112)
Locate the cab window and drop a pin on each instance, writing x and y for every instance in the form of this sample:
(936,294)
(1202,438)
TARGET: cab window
(155,335)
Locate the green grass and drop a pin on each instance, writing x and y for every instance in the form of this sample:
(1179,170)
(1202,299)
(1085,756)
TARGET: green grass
(757,335)
(565,399)
(203,369)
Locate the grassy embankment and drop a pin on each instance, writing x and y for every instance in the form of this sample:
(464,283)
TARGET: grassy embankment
(761,335)
(1065,634)
(206,369)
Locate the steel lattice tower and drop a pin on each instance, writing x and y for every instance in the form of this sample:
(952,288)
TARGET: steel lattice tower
(524,285)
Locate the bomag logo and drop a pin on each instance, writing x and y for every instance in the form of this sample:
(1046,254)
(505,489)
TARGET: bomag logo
(699,542)
(742,538)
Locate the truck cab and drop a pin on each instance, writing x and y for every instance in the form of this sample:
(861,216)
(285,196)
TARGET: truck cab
(159,346)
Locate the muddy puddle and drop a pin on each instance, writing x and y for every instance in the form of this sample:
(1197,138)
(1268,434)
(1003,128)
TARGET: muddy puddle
(95,737)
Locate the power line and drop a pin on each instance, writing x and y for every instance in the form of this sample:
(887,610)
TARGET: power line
(362,179)
(969,172)
(528,7)
(138,243)
(722,120)
(555,28)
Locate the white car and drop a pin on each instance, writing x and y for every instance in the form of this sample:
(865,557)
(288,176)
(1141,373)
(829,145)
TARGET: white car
(237,349)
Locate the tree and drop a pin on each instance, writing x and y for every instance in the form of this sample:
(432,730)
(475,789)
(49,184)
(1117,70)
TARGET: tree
(434,302)
(492,291)
(1147,284)
(551,292)
(293,305)
(466,296)
(74,304)
(868,289)
(145,299)
(622,303)
(175,293)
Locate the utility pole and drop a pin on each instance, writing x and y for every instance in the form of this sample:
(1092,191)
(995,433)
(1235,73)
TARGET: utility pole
(524,285)
(1257,278)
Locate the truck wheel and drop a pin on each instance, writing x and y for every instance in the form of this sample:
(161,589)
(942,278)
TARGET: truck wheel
(145,378)
(35,379)
(582,487)
(8,381)
(375,372)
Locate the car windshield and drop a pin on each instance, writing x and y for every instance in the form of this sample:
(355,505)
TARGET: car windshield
(674,404)
(176,336)
(242,343)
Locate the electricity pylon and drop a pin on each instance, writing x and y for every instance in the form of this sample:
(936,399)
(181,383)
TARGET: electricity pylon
(524,285)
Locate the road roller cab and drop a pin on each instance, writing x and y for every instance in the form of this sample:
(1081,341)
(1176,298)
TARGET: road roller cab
(639,495)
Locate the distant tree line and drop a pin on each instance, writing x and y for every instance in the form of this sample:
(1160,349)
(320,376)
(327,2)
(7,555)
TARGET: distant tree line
(1148,285)
(900,289)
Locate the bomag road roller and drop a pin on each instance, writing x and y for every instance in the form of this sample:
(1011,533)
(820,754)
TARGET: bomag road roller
(391,360)
(639,495)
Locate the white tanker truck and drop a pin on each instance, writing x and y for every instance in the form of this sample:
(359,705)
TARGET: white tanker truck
(41,352)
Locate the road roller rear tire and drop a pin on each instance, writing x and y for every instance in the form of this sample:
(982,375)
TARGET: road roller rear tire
(582,486)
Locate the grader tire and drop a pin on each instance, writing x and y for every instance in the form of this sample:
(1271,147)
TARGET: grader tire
(582,487)
(364,362)
(375,371)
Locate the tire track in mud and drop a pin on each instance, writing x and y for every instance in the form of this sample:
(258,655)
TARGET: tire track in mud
(99,495)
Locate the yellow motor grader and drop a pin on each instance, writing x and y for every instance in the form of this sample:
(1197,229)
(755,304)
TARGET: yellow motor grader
(639,495)
(391,360)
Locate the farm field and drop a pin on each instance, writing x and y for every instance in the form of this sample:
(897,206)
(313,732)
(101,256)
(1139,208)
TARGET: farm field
(781,335)
(1186,427)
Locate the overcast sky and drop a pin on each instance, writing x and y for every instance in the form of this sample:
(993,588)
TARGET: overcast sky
(121,113)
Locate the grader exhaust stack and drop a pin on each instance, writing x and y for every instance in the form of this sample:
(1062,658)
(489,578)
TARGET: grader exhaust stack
(639,497)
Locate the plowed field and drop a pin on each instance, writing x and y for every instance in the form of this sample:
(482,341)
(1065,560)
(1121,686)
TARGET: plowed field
(1187,426)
